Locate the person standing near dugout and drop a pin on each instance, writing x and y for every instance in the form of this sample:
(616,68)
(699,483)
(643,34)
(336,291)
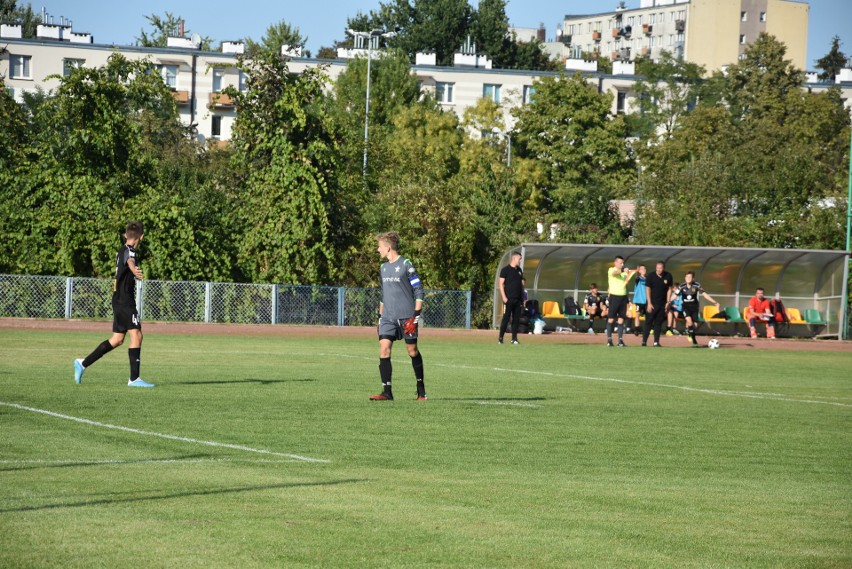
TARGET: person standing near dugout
(658,287)
(399,314)
(618,276)
(125,318)
(512,291)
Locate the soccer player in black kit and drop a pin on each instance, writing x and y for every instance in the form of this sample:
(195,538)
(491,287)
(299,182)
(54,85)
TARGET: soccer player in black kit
(512,291)
(657,286)
(125,317)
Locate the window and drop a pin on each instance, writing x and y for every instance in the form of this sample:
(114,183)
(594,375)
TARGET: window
(639,19)
(653,19)
(743,16)
(671,39)
(742,39)
(763,16)
(490,91)
(20,66)
(630,21)
(621,102)
(69,65)
(571,29)
(169,74)
(529,93)
(216,126)
(589,29)
(444,92)
(218,77)
(243,79)
(681,37)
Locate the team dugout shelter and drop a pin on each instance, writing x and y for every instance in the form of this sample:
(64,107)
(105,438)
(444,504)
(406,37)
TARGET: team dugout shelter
(814,282)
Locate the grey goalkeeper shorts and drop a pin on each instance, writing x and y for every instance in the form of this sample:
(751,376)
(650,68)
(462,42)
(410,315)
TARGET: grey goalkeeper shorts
(392,330)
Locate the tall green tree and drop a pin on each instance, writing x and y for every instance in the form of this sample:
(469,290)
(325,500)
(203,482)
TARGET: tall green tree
(832,62)
(568,128)
(490,27)
(667,89)
(285,153)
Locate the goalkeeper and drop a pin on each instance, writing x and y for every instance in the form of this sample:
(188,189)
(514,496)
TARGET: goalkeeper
(399,314)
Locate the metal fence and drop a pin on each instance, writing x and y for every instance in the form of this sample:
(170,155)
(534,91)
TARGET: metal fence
(28,296)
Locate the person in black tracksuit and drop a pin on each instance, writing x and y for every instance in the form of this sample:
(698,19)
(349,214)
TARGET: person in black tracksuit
(512,291)
(657,286)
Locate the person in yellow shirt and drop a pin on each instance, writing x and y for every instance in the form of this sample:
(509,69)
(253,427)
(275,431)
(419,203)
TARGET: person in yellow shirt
(618,275)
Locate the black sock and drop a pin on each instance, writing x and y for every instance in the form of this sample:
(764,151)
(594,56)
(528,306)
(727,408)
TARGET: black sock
(417,364)
(609,330)
(691,331)
(385,371)
(99,352)
(620,332)
(135,356)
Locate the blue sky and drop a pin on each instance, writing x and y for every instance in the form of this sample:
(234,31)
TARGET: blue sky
(323,21)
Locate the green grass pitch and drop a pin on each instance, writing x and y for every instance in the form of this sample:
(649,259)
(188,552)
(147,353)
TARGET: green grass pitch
(539,455)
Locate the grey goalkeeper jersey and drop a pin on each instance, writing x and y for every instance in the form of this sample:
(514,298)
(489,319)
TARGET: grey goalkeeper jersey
(400,288)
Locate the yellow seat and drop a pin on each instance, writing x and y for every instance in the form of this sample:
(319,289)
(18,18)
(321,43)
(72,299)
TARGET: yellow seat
(551,309)
(709,311)
(795,316)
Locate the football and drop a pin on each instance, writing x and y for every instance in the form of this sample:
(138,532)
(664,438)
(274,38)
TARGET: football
(713,344)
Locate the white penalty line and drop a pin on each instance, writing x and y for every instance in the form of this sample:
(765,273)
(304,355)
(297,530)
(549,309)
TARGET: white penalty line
(162,435)
(85,461)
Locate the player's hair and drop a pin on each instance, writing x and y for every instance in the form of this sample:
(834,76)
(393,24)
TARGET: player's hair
(390,238)
(134,230)
(760,289)
(617,257)
(663,263)
(691,273)
(518,253)
(593,285)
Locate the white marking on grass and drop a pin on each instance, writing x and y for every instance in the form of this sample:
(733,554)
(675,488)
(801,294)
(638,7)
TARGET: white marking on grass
(84,461)
(161,435)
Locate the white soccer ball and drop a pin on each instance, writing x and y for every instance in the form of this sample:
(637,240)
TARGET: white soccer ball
(713,344)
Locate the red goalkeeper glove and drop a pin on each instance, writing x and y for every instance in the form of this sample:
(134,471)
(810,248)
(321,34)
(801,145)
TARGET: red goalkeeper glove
(409,327)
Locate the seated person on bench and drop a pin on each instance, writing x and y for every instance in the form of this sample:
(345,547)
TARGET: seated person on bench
(594,305)
(758,309)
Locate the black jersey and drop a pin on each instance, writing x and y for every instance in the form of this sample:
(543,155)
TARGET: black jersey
(689,293)
(513,281)
(124,285)
(593,299)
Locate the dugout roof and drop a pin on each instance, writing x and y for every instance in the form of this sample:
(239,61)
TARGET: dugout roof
(804,278)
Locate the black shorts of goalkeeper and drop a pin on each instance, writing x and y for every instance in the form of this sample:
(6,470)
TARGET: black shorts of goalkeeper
(393,330)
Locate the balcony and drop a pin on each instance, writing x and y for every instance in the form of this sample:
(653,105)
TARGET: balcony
(596,36)
(181,97)
(680,25)
(221,101)
(616,32)
(647,29)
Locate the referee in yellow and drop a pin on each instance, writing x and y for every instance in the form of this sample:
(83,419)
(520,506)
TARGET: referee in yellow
(619,276)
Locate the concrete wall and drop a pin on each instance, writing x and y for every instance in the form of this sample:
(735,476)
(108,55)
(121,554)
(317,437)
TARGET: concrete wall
(712,33)
(788,21)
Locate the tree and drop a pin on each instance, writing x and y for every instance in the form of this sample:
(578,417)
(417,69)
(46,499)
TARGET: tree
(832,62)
(10,12)
(277,35)
(667,90)
(490,27)
(165,27)
(285,154)
(569,130)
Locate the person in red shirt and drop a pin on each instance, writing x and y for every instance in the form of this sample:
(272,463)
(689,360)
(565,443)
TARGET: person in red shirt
(759,309)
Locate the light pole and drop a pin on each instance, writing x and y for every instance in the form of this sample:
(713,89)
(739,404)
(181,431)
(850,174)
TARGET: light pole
(368,36)
(508,136)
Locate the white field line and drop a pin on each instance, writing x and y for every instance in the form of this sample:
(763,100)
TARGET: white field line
(161,435)
(84,461)
(728,393)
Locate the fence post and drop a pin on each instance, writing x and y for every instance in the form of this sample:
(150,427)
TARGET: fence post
(275,304)
(467,314)
(208,303)
(341,295)
(69,287)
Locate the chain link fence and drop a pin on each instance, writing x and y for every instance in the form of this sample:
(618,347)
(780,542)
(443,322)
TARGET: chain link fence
(27,296)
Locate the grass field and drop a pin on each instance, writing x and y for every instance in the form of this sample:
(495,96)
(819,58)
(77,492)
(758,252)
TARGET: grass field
(539,455)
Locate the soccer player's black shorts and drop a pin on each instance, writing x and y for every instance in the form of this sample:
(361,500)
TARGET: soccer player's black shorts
(691,311)
(125,318)
(641,309)
(617,306)
(392,330)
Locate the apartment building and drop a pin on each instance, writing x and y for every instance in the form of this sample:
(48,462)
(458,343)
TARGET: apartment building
(712,33)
